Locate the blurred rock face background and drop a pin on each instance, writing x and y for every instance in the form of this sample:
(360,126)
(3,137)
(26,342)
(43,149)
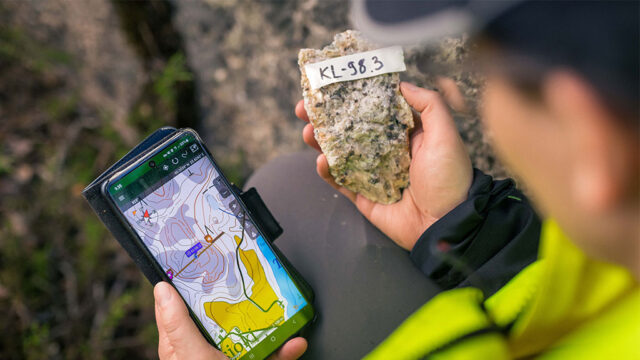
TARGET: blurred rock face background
(81,82)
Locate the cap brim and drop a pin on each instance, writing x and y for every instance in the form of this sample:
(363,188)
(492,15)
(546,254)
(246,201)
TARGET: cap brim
(405,22)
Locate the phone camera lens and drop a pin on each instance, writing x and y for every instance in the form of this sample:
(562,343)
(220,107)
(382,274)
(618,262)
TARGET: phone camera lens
(152,164)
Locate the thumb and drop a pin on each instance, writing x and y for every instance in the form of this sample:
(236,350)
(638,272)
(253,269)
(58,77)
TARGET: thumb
(291,350)
(178,334)
(422,100)
(437,122)
(452,94)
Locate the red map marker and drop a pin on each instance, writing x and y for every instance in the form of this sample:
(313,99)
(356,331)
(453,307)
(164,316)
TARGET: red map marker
(146,213)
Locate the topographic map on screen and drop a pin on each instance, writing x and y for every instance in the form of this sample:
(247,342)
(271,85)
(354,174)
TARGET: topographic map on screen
(193,226)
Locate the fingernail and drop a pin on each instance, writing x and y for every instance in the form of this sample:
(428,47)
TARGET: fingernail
(162,293)
(409,86)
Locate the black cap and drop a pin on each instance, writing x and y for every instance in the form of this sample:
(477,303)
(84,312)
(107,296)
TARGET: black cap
(415,21)
(598,39)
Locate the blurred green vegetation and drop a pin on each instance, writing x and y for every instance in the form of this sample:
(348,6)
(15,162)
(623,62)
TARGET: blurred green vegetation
(16,46)
(67,290)
(174,72)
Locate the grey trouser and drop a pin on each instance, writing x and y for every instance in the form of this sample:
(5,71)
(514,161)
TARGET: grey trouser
(365,285)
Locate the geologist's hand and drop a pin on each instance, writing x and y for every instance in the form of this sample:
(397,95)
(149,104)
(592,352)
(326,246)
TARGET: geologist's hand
(179,337)
(440,173)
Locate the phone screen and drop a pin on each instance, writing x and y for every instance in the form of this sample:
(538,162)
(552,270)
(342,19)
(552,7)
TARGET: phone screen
(192,224)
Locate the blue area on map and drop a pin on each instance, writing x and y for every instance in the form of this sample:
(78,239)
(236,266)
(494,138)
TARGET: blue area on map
(215,206)
(287,287)
(212,202)
(193,250)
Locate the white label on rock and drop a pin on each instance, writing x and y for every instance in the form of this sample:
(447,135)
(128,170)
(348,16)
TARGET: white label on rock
(355,66)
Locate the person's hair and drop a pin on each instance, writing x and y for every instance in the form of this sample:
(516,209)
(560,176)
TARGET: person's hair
(597,39)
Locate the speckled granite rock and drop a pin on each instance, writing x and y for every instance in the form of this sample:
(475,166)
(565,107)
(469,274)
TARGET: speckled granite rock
(361,125)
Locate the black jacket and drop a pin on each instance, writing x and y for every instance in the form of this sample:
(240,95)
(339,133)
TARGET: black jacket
(484,241)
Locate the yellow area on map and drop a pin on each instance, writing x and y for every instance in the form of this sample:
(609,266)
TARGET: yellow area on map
(245,316)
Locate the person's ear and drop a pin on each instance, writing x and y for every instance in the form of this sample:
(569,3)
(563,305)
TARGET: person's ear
(601,154)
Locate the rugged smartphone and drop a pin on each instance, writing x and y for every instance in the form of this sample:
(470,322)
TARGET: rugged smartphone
(176,214)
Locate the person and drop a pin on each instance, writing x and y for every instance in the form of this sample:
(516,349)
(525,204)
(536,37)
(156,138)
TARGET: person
(561,103)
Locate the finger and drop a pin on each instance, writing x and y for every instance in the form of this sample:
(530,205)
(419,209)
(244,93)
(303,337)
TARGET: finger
(164,347)
(178,333)
(322,167)
(301,112)
(309,138)
(451,93)
(291,350)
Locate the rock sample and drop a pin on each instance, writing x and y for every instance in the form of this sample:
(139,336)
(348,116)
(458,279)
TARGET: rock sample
(362,125)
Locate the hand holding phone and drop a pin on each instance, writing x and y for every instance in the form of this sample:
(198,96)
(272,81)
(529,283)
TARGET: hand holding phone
(178,217)
(181,339)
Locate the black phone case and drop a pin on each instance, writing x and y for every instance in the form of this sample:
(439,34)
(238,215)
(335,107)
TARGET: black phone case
(258,211)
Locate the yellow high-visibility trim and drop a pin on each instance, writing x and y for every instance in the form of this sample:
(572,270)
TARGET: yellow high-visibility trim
(486,346)
(447,316)
(563,306)
(512,299)
(613,335)
(573,289)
